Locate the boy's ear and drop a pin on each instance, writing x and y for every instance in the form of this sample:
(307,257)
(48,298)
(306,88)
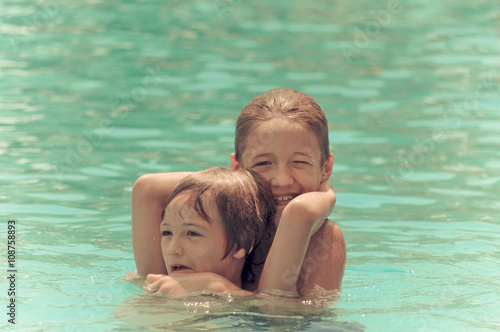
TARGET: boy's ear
(327,168)
(235,164)
(240,254)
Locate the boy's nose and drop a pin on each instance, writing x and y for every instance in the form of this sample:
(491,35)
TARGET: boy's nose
(282,177)
(174,247)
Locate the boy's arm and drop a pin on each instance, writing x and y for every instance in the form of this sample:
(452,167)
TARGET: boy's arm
(194,282)
(299,221)
(149,194)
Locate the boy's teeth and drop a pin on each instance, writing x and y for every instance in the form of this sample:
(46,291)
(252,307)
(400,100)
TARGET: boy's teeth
(284,198)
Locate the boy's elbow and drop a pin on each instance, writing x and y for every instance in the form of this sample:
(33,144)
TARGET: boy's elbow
(329,199)
(142,186)
(332,198)
(301,214)
(304,212)
(313,207)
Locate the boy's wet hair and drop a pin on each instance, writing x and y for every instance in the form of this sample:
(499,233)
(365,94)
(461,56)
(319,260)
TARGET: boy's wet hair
(286,104)
(242,198)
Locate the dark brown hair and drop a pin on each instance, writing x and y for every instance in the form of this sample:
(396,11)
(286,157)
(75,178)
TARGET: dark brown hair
(287,104)
(243,199)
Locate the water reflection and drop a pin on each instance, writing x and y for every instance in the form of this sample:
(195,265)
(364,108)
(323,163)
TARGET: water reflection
(224,312)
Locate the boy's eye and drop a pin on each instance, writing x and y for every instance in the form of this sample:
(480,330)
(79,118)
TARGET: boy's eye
(166,233)
(262,163)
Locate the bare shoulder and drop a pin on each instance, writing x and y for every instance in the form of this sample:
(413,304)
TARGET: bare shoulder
(329,240)
(332,231)
(325,259)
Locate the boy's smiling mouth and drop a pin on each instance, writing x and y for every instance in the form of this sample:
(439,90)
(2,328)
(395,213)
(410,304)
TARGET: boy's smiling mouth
(285,199)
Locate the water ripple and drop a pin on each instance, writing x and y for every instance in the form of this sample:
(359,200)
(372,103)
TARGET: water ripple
(367,201)
(7,208)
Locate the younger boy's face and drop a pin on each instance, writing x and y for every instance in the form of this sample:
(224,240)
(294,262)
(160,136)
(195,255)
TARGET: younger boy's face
(191,244)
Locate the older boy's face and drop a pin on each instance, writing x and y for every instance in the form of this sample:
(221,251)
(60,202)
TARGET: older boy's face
(191,244)
(287,155)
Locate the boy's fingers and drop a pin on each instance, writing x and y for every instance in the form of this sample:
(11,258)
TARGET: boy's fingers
(150,289)
(325,185)
(151,278)
(150,286)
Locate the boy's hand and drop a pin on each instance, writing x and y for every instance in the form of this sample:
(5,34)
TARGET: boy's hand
(164,284)
(313,206)
(325,186)
(189,283)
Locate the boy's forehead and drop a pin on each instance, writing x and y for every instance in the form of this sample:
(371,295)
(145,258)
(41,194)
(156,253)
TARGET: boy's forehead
(183,206)
(276,131)
(278,124)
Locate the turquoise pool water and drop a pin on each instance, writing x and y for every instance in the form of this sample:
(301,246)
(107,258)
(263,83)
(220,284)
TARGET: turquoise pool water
(93,94)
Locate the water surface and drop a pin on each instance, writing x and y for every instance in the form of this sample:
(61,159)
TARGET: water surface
(96,93)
